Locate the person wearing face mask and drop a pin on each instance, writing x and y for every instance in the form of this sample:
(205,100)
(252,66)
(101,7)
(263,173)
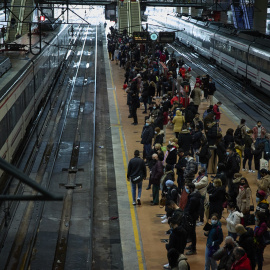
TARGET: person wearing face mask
(259,133)
(214,239)
(259,231)
(211,90)
(225,254)
(233,219)
(146,137)
(264,182)
(191,168)
(192,212)
(216,193)
(244,196)
(241,259)
(246,241)
(180,167)
(159,135)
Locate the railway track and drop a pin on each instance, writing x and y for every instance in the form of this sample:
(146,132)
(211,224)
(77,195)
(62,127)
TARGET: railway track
(59,141)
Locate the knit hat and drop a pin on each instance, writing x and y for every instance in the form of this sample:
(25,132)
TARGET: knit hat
(261,193)
(240,229)
(169,183)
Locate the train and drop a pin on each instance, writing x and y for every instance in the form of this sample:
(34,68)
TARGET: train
(24,86)
(246,54)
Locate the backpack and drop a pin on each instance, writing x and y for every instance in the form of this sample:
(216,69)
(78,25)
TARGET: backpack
(192,95)
(237,134)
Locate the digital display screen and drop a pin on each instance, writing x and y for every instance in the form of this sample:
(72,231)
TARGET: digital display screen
(141,37)
(166,37)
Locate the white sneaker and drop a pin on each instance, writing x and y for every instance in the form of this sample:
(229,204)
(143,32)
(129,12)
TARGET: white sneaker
(251,171)
(244,170)
(199,224)
(166,266)
(164,221)
(163,217)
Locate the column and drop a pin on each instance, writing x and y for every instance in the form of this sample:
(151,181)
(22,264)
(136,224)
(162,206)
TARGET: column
(260,15)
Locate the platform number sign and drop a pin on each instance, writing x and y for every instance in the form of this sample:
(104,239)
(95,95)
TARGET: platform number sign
(166,37)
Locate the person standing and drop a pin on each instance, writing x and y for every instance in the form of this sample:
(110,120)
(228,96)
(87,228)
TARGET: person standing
(178,122)
(248,155)
(191,168)
(180,167)
(233,219)
(211,90)
(196,95)
(216,111)
(259,133)
(135,104)
(136,173)
(192,212)
(147,136)
(241,260)
(156,174)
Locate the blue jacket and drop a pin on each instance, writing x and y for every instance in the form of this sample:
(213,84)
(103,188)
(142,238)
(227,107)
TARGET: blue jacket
(215,235)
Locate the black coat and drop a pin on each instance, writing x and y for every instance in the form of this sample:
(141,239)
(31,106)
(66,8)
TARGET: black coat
(257,156)
(136,167)
(203,153)
(147,135)
(212,134)
(196,140)
(185,140)
(221,152)
(182,162)
(231,166)
(216,199)
(178,239)
(246,241)
(211,88)
(193,205)
(172,157)
(159,139)
(228,139)
(166,106)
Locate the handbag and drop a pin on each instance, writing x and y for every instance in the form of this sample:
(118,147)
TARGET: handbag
(136,179)
(207,227)
(266,238)
(263,163)
(162,202)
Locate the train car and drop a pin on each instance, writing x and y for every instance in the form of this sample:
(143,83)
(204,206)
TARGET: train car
(24,86)
(244,53)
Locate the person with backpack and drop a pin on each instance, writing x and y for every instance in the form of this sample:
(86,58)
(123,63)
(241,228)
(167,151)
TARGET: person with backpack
(185,139)
(214,239)
(191,168)
(240,132)
(232,163)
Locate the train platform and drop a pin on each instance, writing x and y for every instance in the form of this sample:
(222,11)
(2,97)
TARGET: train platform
(142,232)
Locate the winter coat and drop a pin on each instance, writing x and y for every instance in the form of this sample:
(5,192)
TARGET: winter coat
(263,206)
(255,132)
(152,90)
(258,234)
(190,112)
(222,177)
(178,239)
(203,154)
(226,258)
(169,175)
(248,142)
(182,162)
(147,135)
(212,133)
(215,235)
(159,121)
(136,167)
(159,138)
(211,88)
(201,183)
(172,194)
(172,156)
(182,263)
(178,121)
(228,139)
(264,183)
(216,199)
(233,219)
(243,130)
(216,111)
(191,170)
(258,152)
(196,140)
(165,118)
(193,205)
(156,173)
(197,96)
(231,165)
(185,140)
(197,122)
(221,152)
(243,200)
(246,241)
(243,263)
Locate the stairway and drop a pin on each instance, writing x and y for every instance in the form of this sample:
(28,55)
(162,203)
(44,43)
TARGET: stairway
(242,14)
(135,17)
(29,5)
(123,15)
(12,30)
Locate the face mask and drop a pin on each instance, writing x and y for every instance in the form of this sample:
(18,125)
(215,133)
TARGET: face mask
(147,124)
(256,218)
(258,199)
(187,190)
(168,187)
(213,221)
(242,184)
(186,158)
(154,108)
(227,153)
(155,132)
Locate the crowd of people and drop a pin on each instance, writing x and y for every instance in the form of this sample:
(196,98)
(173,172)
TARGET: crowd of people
(196,174)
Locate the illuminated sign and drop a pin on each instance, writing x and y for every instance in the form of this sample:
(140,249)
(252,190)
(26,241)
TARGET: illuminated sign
(166,37)
(140,37)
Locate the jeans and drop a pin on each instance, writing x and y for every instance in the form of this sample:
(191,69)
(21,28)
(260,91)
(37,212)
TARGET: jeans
(209,261)
(147,149)
(134,190)
(259,258)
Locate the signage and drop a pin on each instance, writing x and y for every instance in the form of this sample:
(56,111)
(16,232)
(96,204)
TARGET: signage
(153,36)
(166,37)
(140,37)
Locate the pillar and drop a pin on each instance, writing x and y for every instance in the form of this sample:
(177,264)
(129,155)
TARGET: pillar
(260,15)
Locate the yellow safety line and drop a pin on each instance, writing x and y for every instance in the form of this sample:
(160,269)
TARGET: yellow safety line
(132,208)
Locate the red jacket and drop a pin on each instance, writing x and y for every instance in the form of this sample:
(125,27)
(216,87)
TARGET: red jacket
(255,132)
(162,58)
(242,264)
(216,111)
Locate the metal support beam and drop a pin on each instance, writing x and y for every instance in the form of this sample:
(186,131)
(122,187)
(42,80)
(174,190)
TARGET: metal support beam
(47,196)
